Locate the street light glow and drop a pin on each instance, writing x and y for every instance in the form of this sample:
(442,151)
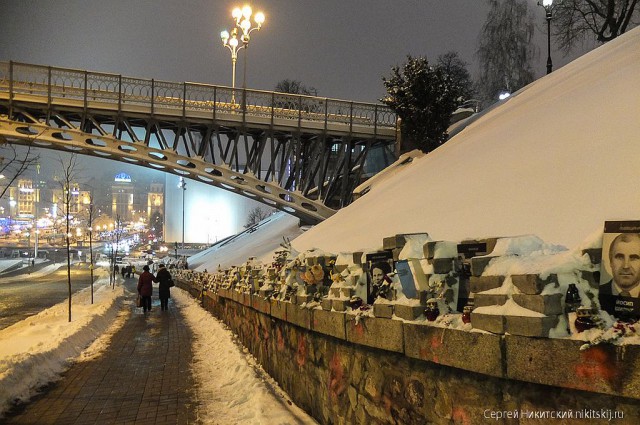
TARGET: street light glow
(259,19)
(245,25)
(246,12)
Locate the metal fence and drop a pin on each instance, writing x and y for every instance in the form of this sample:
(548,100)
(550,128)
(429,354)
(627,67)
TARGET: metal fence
(56,84)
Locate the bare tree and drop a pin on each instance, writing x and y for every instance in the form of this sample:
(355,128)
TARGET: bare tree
(14,163)
(256,215)
(505,49)
(295,87)
(91,213)
(576,20)
(69,174)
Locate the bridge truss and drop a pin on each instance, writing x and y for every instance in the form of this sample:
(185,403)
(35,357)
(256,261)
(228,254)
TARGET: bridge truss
(300,154)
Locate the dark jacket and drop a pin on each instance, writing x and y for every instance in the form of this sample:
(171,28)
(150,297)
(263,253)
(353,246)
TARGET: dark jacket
(145,284)
(607,288)
(163,277)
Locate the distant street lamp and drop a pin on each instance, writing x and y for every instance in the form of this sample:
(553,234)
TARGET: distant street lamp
(182,185)
(12,205)
(230,40)
(28,235)
(548,7)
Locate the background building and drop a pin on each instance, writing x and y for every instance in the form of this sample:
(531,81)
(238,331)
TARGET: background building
(210,213)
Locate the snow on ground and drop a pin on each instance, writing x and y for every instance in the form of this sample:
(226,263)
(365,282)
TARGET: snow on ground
(260,241)
(234,387)
(555,160)
(37,274)
(7,264)
(36,350)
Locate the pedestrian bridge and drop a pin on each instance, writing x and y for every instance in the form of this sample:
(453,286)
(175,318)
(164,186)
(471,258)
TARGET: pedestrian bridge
(300,154)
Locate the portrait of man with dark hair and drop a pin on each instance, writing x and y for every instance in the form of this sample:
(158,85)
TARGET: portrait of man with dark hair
(379,266)
(619,291)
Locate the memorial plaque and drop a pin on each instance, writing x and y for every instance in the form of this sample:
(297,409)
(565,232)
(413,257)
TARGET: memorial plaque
(468,250)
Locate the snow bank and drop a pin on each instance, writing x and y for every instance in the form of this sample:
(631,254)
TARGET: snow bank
(37,350)
(234,387)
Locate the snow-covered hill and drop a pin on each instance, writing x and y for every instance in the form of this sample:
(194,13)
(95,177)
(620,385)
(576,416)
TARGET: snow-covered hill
(555,160)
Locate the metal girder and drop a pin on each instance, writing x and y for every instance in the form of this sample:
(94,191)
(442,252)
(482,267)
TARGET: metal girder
(305,161)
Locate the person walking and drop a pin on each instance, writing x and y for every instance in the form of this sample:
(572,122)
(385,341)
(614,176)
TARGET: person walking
(164,283)
(145,288)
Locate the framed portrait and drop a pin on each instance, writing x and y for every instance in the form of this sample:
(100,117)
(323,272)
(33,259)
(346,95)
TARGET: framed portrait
(619,289)
(379,266)
(466,251)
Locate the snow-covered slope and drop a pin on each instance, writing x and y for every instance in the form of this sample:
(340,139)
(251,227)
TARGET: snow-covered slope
(259,241)
(556,160)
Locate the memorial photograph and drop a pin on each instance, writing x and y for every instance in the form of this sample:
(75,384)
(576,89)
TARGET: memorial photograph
(619,288)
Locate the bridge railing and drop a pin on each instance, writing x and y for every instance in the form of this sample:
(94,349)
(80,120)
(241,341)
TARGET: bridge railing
(65,83)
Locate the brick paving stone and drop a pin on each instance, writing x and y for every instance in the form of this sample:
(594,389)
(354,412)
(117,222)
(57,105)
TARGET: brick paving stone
(143,377)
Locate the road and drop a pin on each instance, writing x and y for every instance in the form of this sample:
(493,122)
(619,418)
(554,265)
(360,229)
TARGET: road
(27,297)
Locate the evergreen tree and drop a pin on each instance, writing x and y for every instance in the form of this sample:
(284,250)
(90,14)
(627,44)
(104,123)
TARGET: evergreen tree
(424,97)
(505,50)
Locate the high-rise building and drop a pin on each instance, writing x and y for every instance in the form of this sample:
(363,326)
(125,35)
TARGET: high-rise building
(25,197)
(155,209)
(79,201)
(122,197)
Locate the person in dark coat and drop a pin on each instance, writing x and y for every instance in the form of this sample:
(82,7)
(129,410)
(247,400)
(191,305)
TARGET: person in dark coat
(145,288)
(164,283)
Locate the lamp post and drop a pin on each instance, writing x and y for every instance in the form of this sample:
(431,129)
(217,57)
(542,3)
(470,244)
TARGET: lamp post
(37,202)
(28,235)
(12,205)
(182,185)
(548,7)
(243,23)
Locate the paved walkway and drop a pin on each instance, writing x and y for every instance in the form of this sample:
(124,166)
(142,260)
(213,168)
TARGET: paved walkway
(143,377)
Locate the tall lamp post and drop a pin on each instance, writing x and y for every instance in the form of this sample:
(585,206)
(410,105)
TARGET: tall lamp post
(243,23)
(12,205)
(37,202)
(182,185)
(548,7)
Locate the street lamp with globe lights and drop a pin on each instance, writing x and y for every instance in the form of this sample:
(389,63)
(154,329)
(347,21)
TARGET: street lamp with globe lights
(548,7)
(230,39)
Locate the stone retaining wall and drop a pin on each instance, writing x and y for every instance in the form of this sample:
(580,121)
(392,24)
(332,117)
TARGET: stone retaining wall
(387,371)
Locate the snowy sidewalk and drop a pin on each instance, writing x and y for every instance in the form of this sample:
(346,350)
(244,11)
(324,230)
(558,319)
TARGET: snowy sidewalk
(143,377)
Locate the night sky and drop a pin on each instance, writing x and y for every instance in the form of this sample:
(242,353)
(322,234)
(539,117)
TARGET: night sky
(342,48)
